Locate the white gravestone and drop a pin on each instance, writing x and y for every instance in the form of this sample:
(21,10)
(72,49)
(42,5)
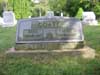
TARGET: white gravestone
(1,20)
(50,14)
(61,14)
(9,19)
(89,18)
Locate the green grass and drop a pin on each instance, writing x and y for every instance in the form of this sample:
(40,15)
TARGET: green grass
(92,36)
(7,38)
(60,66)
(64,66)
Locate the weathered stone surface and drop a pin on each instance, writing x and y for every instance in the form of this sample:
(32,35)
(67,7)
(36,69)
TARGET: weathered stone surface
(49,46)
(85,52)
(49,33)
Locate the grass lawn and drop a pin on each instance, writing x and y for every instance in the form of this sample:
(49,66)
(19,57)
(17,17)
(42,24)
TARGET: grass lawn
(92,37)
(7,38)
(62,66)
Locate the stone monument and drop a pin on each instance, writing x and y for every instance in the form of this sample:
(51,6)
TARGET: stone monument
(89,18)
(49,36)
(9,19)
(49,13)
(1,20)
(51,33)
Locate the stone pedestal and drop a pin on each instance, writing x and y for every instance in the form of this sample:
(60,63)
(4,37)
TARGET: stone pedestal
(49,46)
(85,52)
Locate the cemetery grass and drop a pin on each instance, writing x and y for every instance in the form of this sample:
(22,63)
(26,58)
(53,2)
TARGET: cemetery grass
(7,38)
(61,66)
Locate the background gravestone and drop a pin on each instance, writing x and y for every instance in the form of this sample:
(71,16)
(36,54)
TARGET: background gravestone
(89,18)
(1,20)
(50,13)
(49,33)
(8,19)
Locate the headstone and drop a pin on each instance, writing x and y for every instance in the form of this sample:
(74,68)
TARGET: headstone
(49,33)
(89,18)
(29,16)
(1,20)
(50,14)
(9,19)
(61,14)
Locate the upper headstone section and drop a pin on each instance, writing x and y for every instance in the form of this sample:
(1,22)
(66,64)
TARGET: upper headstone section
(89,15)
(49,29)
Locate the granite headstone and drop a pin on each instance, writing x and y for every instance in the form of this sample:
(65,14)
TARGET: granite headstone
(49,33)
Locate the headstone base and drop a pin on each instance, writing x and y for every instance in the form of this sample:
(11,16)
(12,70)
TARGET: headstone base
(49,46)
(85,52)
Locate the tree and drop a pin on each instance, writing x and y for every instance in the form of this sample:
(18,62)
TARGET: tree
(25,8)
(57,6)
(3,6)
(72,7)
(96,9)
(21,8)
(42,7)
(91,5)
(79,13)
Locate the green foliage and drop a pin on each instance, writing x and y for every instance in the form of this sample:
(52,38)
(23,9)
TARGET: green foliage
(57,6)
(1,7)
(86,5)
(7,38)
(79,13)
(25,8)
(96,9)
(20,7)
(72,7)
(91,5)
(63,66)
(37,8)
(92,37)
